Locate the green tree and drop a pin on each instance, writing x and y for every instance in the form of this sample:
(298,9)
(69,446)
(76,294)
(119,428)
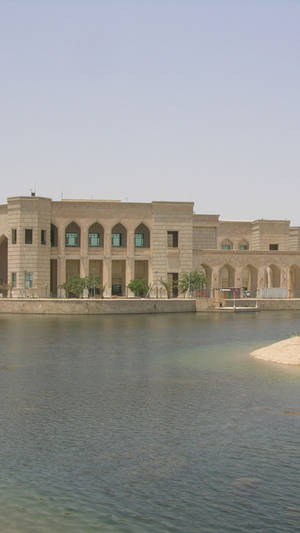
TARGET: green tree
(168,286)
(74,286)
(139,287)
(93,283)
(191,281)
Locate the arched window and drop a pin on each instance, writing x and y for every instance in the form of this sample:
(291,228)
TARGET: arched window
(142,237)
(226,244)
(54,235)
(119,236)
(72,235)
(96,235)
(243,245)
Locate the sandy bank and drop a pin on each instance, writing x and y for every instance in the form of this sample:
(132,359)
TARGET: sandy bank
(286,352)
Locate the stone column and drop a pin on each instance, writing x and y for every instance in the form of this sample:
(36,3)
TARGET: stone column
(61,260)
(130,260)
(270,280)
(261,278)
(129,274)
(215,278)
(61,275)
(291,283)
(238,278)
(107,268)
(84,267)
(284,277)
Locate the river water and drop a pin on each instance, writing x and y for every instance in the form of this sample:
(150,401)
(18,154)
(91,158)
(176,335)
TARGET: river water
(148,423)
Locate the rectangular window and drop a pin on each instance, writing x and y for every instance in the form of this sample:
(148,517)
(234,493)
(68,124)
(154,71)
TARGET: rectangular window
(14,236)
(72,239)
(43,236)
(28,236)
(172,239)
(139,240)
(13,279)
(243,247)
(28,280)
(94,239)
(116,239)
(273,247)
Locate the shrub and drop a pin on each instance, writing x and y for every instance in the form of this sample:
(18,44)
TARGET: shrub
(139,287)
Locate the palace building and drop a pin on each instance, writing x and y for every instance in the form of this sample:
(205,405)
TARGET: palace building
(44,242)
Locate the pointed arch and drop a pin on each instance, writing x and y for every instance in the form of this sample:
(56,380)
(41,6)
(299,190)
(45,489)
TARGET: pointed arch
(142,236)
(72,235)
(274,276)
(119,236)
(96,235)
(226,277)
(226,244)
(249,277)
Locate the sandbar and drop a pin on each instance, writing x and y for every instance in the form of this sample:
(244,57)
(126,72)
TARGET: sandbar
(286,352)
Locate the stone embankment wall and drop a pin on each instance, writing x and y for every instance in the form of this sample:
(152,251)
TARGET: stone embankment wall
(265,304)
(95,307)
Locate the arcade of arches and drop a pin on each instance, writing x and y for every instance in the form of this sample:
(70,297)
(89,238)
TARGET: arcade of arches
(251,278)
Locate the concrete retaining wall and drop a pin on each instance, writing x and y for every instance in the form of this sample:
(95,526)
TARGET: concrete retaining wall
(264,304)
(95,307)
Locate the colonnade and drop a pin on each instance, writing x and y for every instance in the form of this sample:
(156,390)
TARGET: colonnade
(253,278)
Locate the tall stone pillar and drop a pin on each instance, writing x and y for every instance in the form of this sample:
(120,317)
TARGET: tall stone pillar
(61,260)
(61,275)
(284,277)
(261,278)
(215,278)
(84,266)
(238,281)
(270,279)
(107,266)
(129,274)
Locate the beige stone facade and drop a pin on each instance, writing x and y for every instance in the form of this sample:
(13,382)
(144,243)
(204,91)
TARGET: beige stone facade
(43,242)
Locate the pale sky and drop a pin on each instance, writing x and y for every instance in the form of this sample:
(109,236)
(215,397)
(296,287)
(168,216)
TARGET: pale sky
(141,100)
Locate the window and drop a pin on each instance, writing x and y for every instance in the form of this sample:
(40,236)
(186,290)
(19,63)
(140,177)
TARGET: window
(116,239)
(72,239)
(226,245)
(14,236)
(273,247)
(43,236)
(28,280)
(28,236)
(94,239)
(243,247)
(139,240)
(172,239)
(13,279)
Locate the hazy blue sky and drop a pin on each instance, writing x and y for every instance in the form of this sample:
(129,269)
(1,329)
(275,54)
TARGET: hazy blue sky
(144,100)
